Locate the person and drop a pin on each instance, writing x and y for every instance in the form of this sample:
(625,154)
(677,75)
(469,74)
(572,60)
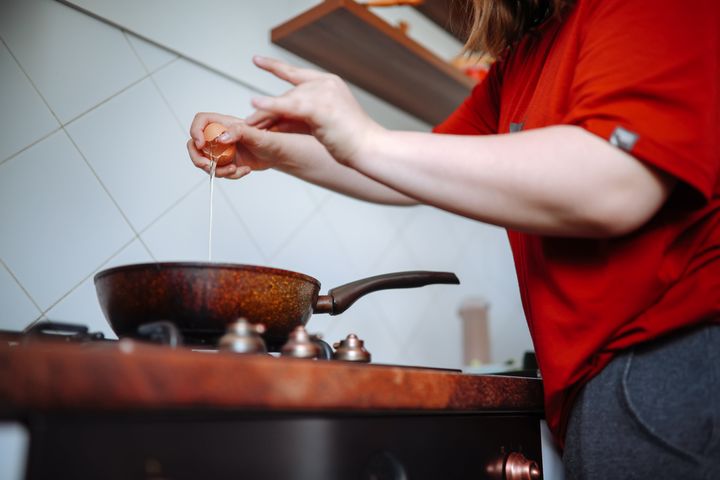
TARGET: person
(594,140)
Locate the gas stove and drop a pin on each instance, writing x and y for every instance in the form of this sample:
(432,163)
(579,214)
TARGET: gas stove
(152,407)
(241,337)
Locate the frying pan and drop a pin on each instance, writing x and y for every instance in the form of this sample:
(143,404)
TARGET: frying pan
(201,299)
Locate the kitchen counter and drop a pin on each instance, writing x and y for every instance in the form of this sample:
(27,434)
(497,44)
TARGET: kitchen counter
(129,375)
(128,409)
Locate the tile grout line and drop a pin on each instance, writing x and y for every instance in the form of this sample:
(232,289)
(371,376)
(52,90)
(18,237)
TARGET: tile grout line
(61,124)
(150,75)
(107,191)
(47,104)
(174,115)
(61,127)
(180,55)
(289,237)
(180,125)
(404,346)
(79,284)
(35,142)
(167,104)
(135,52)
(152,78)
(22,287)
(44,100)
(237,216)
(182,197)
(105,100)
(338,238)
(37,90)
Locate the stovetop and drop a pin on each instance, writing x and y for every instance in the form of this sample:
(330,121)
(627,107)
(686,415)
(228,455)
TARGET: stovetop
(172,411)
(81,369)
(167,335)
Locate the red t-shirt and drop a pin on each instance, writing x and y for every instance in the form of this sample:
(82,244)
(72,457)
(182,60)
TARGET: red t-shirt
(644,76)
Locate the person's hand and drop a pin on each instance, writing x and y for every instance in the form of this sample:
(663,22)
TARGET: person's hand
(319,103)
(254,150)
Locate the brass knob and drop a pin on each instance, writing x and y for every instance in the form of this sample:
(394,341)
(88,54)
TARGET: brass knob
(517,467)
(243,337)
(351,350)
(300,345)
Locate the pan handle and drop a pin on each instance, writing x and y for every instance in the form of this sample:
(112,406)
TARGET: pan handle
(341,298)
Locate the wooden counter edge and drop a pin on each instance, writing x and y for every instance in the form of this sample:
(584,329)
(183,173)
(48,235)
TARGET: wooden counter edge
(129,375)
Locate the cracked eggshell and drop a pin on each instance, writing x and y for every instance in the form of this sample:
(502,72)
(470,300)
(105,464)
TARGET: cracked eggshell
(222,152)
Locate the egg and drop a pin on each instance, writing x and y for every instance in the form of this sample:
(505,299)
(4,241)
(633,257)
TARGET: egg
(223,153)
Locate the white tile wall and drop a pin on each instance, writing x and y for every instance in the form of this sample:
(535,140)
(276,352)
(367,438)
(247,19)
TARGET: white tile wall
(273,206)
(367,321)
(361,228)
(182,234)
(404,309)
(152,56)
(202,30)
(74,60)
(115,186)
(435,328)
(19,96)
(144,163)
(81,305)
(190,88)
(315,250)
(59,224)
(431,241)
(16,307)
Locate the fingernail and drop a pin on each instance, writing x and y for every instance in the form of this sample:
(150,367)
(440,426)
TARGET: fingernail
(223,137)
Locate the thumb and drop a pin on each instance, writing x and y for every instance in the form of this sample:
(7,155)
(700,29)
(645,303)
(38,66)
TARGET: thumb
(232,133)
(241,132)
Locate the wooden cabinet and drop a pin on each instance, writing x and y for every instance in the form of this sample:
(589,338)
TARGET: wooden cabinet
(345,38)
(454,16)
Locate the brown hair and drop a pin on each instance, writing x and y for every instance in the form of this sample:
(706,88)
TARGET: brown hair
(499,24)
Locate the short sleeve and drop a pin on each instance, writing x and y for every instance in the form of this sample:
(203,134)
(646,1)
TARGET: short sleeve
(479,113)
(647,80)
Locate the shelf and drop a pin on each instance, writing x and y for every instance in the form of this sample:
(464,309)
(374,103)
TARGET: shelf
(347,39)
(453,16)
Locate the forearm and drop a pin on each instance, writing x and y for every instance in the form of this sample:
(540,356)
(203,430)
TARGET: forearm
(304,157)
(552,181)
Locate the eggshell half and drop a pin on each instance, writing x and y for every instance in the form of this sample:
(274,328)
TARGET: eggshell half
(223,153)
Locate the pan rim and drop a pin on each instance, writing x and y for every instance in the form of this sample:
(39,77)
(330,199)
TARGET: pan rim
(205,265)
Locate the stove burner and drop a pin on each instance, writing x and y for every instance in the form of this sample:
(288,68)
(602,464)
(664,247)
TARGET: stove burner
(162,332)
(300,345)
(351,349)
(243,337)
(70,332)
(166,333)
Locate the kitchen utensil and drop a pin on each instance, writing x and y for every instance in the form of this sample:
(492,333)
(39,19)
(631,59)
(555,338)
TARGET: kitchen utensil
(202,299)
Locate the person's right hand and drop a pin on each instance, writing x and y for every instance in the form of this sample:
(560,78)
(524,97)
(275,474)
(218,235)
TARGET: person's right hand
(255,148)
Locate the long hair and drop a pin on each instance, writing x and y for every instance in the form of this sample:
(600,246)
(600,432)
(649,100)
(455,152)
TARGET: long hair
(499,24)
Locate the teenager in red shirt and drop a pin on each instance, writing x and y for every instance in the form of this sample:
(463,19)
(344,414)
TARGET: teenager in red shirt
(595,141)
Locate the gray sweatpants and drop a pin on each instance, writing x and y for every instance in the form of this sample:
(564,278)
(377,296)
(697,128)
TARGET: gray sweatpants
(652,413)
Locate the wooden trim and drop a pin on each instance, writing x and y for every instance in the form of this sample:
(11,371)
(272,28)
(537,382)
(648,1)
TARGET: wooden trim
(128,375)
(345,38)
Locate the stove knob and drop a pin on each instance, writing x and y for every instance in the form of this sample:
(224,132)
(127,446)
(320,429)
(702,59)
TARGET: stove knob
(243,337)
(351,350)
(517,467)
(300,345)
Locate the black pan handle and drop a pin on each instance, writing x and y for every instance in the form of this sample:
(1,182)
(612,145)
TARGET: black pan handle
(341,298)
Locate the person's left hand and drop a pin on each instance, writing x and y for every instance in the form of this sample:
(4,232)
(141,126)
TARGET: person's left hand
(319,103)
